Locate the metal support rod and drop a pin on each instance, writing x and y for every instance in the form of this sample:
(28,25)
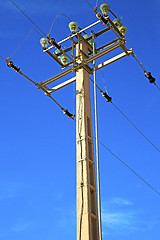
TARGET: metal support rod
(61,85)
(114,59)
(97,147)
(84,29)
(100,54)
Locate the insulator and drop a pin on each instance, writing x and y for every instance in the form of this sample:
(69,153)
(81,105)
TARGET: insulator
(118,22)
(65,111)
(64,59)
(105,9)
(123,30)
(149,76)
(86,36)
(73,26)
(105,95)
(58,53)
(44,42)
(11,65)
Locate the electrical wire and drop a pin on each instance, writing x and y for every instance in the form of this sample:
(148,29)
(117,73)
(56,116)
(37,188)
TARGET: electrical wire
(2,58)
(25,41)
(89,4)
(96,3)
(26,16)
(134,55)
(112,13)
(141,65)
(157,86)
(61,14)
(37,85)
(21,43)
(146,182)
(104,81)
(138,61)
(135,127)
(42,89)
(133,171)
(130,121)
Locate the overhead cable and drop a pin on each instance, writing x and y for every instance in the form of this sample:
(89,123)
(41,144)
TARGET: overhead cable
(135,127)
(109,99)
(89,4)
(157,86)
(142,179)
(61,14)
(96,3)
(26,16)
(147,74)
(21,43)
(2,58)
(10,64)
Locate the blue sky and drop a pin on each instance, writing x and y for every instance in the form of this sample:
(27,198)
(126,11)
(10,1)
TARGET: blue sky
(37,141)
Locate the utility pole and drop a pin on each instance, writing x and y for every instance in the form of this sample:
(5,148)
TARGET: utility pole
(87,212)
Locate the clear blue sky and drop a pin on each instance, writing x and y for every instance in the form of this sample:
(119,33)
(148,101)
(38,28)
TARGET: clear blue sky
(37,141)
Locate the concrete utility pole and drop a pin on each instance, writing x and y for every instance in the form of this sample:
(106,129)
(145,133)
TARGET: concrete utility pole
(87,212)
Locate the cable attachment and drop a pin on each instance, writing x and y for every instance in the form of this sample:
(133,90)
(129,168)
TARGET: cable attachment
(53,42)
(105,95)
(70,115)
(149,76)
(14,67)
(103,20)
(95,10)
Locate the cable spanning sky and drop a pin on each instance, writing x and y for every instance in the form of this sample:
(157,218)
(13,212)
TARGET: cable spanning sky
(37,141)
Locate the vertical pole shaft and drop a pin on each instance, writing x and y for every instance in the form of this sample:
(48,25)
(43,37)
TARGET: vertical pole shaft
(97,146)
(87,210)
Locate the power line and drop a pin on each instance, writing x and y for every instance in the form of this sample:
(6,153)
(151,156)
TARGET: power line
(17,69)
(135,127)
(89,4)
(157,86)
(96,3)
(113,13)
(61,14)
(21,43)
(147,183)
(104,81)
(2,58)
(26,16)
(129,119)
(133,171)
(25,40)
